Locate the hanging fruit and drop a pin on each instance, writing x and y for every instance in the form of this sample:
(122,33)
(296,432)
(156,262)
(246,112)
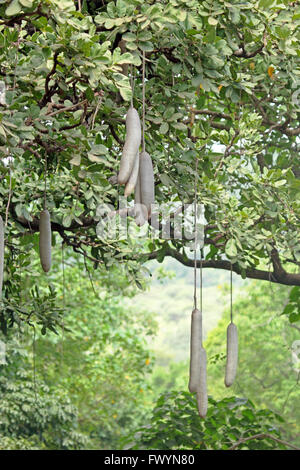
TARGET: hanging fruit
(195,349)
(131,146)
(232,354)
(232,345)
(202,400)
(198,360)
(147,181)
(45,240)
(140,212)
(132,181)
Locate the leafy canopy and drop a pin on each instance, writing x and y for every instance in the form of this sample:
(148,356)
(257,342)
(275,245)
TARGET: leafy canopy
(222,87)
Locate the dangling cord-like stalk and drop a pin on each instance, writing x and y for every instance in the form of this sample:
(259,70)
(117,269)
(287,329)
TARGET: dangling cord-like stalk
(195,274)
(195,229)
(143,118)
(201,294)
(90,277)
(131,84)
(232,345)
(231,308)
(34,365)
(3,227)
(270,277)
(202,400)
(64,302)
(45,182)
(9,193)
(194,376)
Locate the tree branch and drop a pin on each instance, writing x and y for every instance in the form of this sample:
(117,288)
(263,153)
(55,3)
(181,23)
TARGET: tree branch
(212,113)
(115,135)
(17,19)
(278,277)
(262,436)
(241,52)
(50,91)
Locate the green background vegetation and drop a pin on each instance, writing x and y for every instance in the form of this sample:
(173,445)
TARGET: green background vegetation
(97,350)
(96,383)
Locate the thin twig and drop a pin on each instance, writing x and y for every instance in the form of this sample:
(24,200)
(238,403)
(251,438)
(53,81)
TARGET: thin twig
(143,119)
(226,153)
(262,436)
(9,196)
(45,182)
(64,301)
(96,111)
(62,110)
(90,277)
(291,391)
(195,227)
(115,135)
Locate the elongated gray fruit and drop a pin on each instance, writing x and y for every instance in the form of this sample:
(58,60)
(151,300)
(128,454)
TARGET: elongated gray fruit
(45,240)
(131,183)
(202,400)
(140,211)
(1,253)
(131,146)
(147,181)
(195,350)
(232,354)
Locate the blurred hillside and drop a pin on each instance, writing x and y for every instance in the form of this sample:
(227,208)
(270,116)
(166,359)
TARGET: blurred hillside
(170,299)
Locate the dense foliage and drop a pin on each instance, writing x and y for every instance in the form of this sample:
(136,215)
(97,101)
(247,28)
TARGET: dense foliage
(268,371)
(104,359)
(33,415)
(98,365)
(175,424)
(222,91)
(221,88)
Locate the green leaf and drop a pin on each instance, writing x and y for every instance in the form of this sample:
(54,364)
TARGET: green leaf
(94,158)
(121,7)
(267,3)
(125,58)
(132,46)
(99,149)
(212,21)
(67,220)
(76,160)
(164,128)
(295,294)
(181,15)
(166,180)
(2,133)
(294,317)
(279,183)
(26,3)
(129,37)
(126,92)
(231,248)
(146,46)
(145,36)
(179,126)
(13,8)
